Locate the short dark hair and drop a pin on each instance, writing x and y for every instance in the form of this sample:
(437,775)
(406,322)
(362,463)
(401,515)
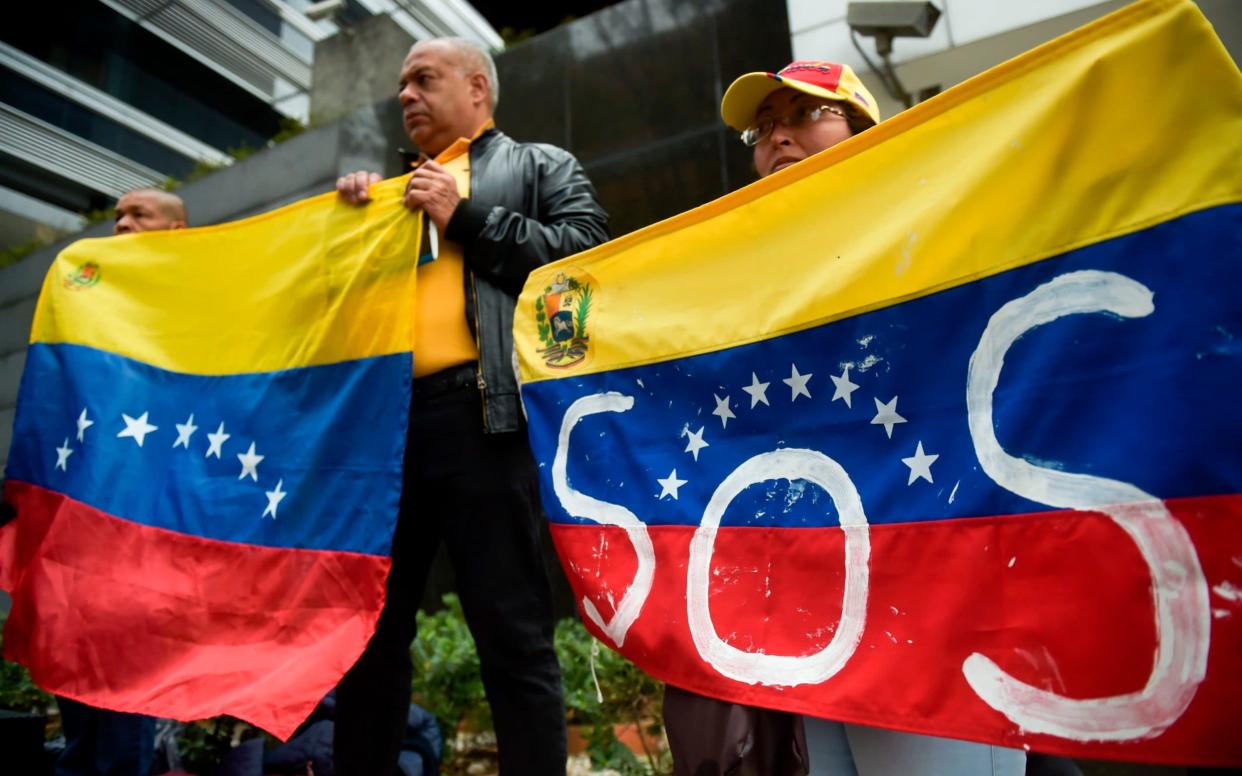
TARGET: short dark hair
(858,120)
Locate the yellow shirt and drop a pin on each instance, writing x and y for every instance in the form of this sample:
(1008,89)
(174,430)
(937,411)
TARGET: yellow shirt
(442,337)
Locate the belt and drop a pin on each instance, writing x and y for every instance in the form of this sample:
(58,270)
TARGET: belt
(446,380)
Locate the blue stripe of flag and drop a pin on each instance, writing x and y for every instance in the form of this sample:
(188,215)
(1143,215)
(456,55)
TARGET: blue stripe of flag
(331,439)
(1152,401)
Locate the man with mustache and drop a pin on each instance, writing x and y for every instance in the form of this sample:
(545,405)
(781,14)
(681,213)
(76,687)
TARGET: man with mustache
(495,210)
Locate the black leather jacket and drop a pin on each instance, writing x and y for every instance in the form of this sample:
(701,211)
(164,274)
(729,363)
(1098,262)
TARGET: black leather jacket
(529,204)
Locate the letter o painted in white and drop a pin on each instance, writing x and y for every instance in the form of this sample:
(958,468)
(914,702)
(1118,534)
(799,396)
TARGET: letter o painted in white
(783,670)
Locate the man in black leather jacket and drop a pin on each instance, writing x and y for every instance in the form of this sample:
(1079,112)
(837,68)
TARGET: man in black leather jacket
(495,209)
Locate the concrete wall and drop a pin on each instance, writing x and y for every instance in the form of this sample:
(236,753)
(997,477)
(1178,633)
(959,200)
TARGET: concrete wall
(357,67)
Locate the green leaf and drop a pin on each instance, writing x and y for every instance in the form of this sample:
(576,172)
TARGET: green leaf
(447,681)
(17,691)
(584,309)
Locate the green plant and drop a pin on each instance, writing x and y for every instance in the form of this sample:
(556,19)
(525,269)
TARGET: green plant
(625,695)
(513,36)
(203,745)
(200,169)
(289,128)
(203,168)
(447,681)
(19,693)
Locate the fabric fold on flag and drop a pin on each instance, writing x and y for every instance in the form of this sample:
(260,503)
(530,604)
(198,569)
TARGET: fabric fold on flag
(932,431)
(206,461)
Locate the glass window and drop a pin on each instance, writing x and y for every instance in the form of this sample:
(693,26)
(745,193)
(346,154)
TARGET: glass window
(93,43)
(262,13)
(30,97)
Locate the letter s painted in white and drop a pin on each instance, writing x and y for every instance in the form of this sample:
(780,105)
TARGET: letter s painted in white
(605,513)
(1179,589)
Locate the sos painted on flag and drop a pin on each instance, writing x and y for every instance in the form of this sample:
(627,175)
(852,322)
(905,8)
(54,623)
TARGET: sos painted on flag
(936,431)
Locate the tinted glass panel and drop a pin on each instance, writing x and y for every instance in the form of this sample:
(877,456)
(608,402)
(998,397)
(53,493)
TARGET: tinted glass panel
(96,45)
(634,92)
(72,117)
(261,13)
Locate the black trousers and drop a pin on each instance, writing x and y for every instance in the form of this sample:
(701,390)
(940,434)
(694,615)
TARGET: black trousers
(99,742)
(478,494)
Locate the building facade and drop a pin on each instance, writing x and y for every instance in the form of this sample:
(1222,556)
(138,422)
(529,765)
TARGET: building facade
(98,97)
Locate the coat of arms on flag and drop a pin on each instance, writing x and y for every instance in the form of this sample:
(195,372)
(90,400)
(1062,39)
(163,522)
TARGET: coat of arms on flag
(561,314)
(936,431)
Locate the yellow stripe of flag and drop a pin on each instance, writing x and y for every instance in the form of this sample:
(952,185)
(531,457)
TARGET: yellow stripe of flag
(1124,123)
(315,282)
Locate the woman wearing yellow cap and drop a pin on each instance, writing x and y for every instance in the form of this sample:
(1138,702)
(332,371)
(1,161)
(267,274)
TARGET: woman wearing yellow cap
(785,117)
(799,111)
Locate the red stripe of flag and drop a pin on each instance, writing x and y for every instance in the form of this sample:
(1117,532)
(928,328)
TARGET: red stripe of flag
(1062,616)
(175,625)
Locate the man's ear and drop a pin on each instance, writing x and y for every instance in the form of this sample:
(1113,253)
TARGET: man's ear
(178,224)
(479,88)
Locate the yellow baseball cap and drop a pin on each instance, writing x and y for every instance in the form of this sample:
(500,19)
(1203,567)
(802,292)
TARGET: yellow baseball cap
(822,79)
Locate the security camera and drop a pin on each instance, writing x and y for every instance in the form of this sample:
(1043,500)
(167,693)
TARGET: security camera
(885,21)
(893,20)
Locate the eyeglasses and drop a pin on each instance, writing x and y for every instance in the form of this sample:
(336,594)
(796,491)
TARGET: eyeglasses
(801,116)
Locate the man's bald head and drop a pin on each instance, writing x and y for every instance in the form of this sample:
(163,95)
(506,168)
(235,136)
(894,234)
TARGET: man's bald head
(149,210)
(447,89)
(469,58)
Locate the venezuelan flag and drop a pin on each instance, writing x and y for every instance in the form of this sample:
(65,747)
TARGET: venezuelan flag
(937,430)
(206,461)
